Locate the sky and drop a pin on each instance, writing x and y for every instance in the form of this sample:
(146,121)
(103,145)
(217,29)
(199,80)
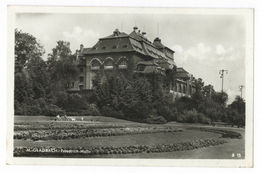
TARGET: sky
(203,44)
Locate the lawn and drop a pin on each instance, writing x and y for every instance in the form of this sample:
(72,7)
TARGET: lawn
(115,138)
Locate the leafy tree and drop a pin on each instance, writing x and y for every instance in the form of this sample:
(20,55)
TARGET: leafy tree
(22,88)
(37,69)
(32,92)
(61,67)
(220,97)
(198,97)
(208,91)
(26,48)
(236,112)
(238,104)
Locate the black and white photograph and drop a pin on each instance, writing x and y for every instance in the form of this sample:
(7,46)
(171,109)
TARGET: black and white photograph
(131,83)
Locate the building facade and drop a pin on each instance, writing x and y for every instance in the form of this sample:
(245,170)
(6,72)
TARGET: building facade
(130,54)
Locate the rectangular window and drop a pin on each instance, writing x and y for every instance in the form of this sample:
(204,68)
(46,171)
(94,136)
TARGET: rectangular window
(81,70)
(81,79)
(81,87)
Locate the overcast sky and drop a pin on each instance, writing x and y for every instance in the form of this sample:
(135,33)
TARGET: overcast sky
(204,44)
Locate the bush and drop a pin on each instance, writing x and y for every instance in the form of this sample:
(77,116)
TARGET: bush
(19,109)
(111,112)
(168,112)
(184,103)
(188,117)
(53,110)
(24,109)
(153,119)
(92,110)
(193,117)
(203,119)
(33,110)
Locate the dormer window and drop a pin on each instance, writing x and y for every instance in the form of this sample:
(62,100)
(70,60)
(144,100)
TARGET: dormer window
(140,67)
(103,47)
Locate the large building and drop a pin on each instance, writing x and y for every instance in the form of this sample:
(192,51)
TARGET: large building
(130,54)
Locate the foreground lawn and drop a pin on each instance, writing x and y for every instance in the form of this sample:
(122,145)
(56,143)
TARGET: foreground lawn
(112,138)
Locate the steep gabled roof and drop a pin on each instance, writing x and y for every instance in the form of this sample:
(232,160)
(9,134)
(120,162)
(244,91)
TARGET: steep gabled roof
(120,35)
(122,42)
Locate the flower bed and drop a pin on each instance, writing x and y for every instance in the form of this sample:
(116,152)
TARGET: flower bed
(60,125)
(59,134)
(53,151)
(224,133)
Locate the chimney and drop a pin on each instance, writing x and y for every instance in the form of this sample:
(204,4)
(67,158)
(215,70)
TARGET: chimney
(116,32)
(143,33)
(81,47)
(157,40)
(135,28)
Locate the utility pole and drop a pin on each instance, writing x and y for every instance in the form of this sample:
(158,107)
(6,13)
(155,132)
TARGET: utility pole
(241,87)
(222,72)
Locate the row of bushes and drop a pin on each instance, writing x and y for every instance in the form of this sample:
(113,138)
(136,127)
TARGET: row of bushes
(193,116)
(40,107)
(39,151)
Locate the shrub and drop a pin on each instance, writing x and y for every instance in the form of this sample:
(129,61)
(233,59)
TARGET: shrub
(203,119)
(33,110)
(185,103)
(188,117)
(92,110)
(169,112)
(111,112)
(19,109)
(136,111)
(153,119)
(53,110)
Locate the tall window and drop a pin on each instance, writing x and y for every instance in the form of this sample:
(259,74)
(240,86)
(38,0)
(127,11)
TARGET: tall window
(81,69)
(81,79)
(122,63)
(95,64)
(81,87)
(109,63)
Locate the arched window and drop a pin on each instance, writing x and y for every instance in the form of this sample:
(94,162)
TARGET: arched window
(109,63)
(122,63)
(95,64)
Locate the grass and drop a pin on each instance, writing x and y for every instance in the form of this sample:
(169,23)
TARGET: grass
(160,138)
